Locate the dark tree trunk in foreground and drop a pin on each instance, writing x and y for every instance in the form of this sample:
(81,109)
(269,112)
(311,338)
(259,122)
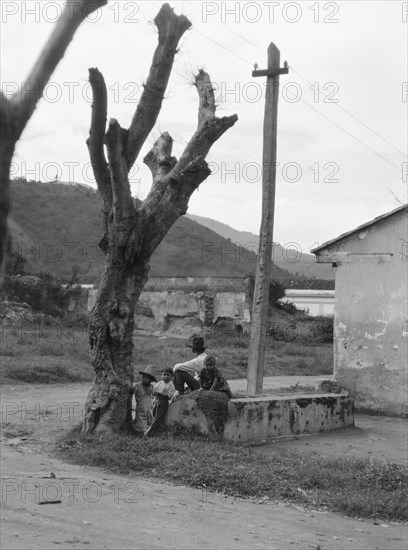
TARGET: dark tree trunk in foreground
(16,111)
(133,231)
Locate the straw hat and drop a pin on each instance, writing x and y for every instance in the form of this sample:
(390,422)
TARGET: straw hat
(150,370)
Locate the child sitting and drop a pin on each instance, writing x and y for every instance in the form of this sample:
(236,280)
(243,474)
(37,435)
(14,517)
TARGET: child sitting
(163,392)
(211,378)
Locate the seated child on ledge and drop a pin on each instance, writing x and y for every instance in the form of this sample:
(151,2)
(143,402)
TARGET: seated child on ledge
(211,378)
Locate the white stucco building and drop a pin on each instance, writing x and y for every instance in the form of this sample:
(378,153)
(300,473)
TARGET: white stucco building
(370,311)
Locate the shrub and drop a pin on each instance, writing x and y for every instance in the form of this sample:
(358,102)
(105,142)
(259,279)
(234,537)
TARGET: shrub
(288,307)
(44,293)
(323,329)
(276,292)
(282,332)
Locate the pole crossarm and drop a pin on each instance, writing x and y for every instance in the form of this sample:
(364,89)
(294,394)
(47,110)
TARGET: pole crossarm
(267,72)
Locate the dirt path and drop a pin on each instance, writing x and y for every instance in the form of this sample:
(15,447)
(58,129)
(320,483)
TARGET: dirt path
(101,510)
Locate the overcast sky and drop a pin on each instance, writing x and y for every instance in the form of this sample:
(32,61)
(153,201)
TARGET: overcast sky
(342,124)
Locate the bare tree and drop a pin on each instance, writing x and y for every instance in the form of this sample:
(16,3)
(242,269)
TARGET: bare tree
(132,231)
(16,111)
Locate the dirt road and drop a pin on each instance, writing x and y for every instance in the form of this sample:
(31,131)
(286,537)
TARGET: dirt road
(101,510)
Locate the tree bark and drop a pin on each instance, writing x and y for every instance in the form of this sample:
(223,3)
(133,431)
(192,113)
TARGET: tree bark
(108,405)
(132,231)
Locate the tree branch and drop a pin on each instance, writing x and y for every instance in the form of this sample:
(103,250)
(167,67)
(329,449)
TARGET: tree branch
(203,139)
(4,106)
(160,162)
(16,112)
(159,158)
(95,142)
(206,107)
(7,129)
(97,131)
(122,199)
(170,27)
(172,189)
(209,129)
(74,13)
(168,200)
(180,190)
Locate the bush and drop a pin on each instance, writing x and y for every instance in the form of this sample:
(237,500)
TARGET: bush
(288,307)
(323,329)
(44,293)
(276,292)
(282,332)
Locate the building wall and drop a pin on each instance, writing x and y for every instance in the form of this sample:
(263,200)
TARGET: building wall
(370,335)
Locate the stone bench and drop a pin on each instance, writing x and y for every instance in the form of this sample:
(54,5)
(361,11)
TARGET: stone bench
(258,418)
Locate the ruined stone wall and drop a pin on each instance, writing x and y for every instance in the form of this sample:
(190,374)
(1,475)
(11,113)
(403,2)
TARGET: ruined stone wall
(187,305)
(187,312)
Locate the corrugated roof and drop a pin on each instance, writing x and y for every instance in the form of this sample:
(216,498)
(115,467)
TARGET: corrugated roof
(361,227)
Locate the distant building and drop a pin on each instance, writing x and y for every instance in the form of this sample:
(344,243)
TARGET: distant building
(370,311)
(314,302)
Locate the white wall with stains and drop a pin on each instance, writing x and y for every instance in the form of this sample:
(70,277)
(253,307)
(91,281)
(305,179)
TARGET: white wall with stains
(371,318)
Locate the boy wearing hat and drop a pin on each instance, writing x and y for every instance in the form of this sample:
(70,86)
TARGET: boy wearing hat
(188,372)
(144,399)
(163,393)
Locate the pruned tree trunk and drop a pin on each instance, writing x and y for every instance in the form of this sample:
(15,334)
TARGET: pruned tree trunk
(110,334)
(16,111)
(132,231)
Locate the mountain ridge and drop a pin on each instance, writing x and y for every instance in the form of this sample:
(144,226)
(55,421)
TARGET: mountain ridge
(57,228)
(295,261)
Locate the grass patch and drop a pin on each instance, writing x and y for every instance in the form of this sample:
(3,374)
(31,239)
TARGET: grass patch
(55,355)
(10,430)
(281,358)
(352,486)
(43,370)
(44,357)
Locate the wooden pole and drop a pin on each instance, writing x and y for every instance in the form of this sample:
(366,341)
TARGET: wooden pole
(256,352)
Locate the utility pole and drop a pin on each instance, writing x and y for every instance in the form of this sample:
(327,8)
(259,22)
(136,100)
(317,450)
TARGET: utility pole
(256,352)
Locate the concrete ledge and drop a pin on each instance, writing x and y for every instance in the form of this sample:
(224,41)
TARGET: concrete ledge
(257,418)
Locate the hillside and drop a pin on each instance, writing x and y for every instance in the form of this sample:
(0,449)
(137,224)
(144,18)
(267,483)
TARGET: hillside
(57,227)
(300,264)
